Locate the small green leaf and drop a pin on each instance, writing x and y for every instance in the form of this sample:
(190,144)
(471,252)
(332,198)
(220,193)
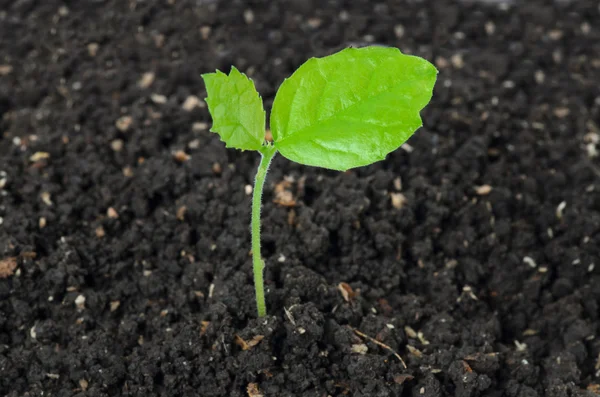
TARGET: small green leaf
(351,108)
(236,108)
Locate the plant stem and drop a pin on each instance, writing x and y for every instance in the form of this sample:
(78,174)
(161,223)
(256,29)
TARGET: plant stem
(258,265)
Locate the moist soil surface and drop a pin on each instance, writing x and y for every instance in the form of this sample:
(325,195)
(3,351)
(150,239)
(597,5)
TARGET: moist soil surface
(472,253)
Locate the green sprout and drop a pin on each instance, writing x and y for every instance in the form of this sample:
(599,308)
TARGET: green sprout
(346,110)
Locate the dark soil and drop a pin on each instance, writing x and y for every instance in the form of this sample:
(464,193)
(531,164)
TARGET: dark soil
(126,267)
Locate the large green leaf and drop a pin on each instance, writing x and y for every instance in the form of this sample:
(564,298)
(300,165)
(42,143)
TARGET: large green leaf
(351,108)
(236,108)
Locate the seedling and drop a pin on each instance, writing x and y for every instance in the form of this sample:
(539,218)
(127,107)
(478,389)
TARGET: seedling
(342,111)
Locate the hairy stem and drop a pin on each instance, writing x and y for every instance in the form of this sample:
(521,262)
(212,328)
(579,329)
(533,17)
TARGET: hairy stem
(258,265)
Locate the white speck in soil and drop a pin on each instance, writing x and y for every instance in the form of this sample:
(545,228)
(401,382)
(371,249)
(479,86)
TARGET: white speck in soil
(539,77)
(559,210)
(249,16)
(483,190)
(192,102)
(399,31)
(586,28)
(288,314)
(314,23)
(146,80)
(530,262)
(158,99)
(37,156)
(114,305)
(457,61)
(199,126)
(360,348)
(112,213)
(123,123)
(205,32)
(410,332)
(117,145)
(520,346)
(80,302)
(93,49)
(5,70)
(557,56)
(46,198)
(407,148)
(398,200)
